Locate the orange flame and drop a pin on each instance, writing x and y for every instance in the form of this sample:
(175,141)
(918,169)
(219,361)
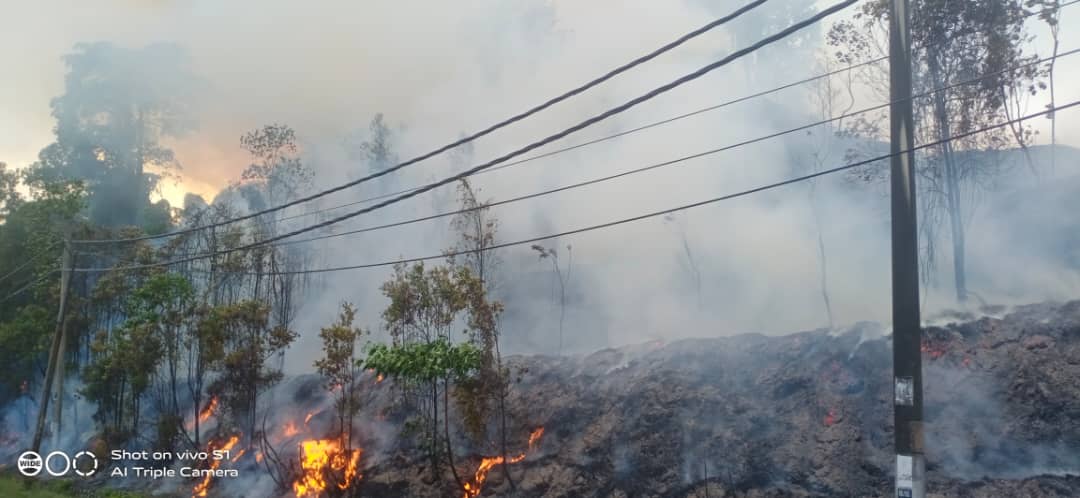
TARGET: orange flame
(308,417)
(258,457)
(291,430)
(472,489)
(933,351)
(379,378)
(317,457)
(238,455)
(831,418)
(209,410)
(201,488)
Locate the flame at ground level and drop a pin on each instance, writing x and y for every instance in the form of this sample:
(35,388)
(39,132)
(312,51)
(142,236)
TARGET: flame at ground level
(320,458)
(472,489)
(204,485)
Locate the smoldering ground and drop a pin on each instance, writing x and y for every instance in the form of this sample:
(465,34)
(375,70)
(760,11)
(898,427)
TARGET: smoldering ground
(440,70)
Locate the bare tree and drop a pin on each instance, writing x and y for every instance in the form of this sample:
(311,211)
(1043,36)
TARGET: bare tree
(951,42)
(563,279)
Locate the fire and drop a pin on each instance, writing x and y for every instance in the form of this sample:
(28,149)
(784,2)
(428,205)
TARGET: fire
(317,457)
(291,430)
(379,378)
(209,410)
(933,351)
(258,457)
(238,455)
(472,489)
(308,417)
(831,418)
(201,488)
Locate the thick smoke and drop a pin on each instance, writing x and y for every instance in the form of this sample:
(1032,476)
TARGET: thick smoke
(444,69)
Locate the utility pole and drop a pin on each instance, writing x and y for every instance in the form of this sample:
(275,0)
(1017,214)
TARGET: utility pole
(907,327)
(61,354)
(54,350)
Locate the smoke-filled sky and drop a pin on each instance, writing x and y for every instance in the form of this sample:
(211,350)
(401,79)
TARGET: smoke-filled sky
(438,69)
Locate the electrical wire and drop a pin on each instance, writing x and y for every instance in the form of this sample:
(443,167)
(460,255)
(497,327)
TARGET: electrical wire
(506,122)
(635,218)
(587,143)
(578,127)
(624,173)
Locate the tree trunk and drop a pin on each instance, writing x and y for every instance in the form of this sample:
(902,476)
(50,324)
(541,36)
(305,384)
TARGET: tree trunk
(822,261)
(952,180)
(446,428)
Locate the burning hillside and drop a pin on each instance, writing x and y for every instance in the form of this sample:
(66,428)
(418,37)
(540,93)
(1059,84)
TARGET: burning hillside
(807,414)
(801,415)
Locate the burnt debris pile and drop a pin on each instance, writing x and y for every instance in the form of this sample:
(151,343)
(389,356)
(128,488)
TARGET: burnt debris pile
(808,414)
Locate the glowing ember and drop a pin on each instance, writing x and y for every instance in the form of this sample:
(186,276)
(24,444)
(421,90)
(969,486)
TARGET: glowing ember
(209,410)
(830,419)
(204,485)
(238,455)
(472,489)
(258,457)
(308,418)
(320,458)
(291,430)
(933,351)
(379,378)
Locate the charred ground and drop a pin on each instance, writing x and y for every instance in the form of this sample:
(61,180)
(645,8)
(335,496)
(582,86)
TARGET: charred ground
(807,414)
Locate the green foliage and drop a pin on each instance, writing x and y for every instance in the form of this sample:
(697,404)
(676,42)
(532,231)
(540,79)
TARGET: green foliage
(23,341)
(339,365)
(425,362)
(125,360)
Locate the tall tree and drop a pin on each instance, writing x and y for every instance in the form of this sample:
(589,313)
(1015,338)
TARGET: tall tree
(951,42)
(117,107)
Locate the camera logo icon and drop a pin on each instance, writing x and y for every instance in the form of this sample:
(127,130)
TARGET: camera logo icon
(58,463)
(30,464)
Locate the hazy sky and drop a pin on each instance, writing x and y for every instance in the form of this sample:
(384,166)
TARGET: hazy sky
(327,69)
(438,69)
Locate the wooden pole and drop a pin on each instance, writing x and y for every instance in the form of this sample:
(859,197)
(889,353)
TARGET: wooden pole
(907,331)
(54,350)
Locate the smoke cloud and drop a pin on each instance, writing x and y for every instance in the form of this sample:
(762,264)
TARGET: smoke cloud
(438,69)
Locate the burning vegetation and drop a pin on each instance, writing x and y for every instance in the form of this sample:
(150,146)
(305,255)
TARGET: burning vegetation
(473,489)
(323,463)
(203,486)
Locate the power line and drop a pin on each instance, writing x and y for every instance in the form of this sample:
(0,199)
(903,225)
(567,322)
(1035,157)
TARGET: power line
(502,124)
(26,287)
(27,263)
(654,214)
(632,130)
(576,146)
(665,163)
(609,177)
(580,126)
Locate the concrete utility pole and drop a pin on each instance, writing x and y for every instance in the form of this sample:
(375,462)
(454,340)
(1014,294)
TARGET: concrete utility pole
(55,357)
(907,327)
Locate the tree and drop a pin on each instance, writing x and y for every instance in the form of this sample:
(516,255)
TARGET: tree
(424,306)
(689,262)
(563,278)
(118,104)
(250,341)
(340,367)
(830,100)
(951,42)
(377,149)
(476,230)
(276,174)
(9,196)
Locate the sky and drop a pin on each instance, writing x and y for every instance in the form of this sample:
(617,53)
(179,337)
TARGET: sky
(440,69)
(261,54)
